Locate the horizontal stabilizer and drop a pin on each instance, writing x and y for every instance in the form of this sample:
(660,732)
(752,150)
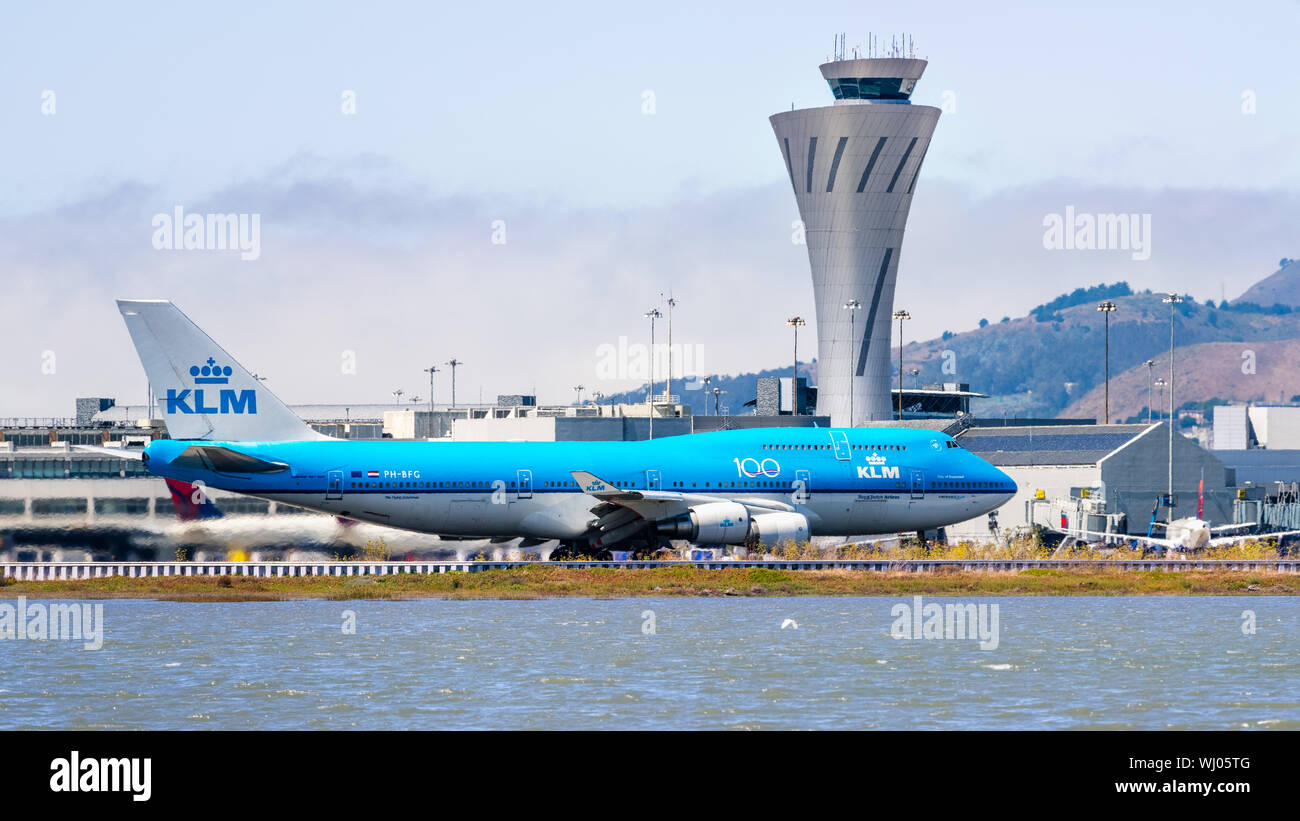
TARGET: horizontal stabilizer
(133,454)
(224,460)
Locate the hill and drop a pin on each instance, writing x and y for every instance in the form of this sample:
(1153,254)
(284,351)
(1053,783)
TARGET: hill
(1047,362)
(1282,288)
(1051,362)
(1202,373)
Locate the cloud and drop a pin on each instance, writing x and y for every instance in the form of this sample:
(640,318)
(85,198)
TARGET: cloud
(354,258)
(986,258)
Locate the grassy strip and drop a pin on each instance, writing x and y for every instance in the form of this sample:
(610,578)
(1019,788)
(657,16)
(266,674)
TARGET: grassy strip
(538,582)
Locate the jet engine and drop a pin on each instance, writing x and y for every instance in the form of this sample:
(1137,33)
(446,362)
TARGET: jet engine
(711,523)
(771,529)
(730,523)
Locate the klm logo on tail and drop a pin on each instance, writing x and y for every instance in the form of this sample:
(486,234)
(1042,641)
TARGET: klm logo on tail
(227,401)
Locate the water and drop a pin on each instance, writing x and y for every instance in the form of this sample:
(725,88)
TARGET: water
(1148,663)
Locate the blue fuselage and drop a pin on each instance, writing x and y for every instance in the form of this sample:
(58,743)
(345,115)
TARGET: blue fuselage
(845,482)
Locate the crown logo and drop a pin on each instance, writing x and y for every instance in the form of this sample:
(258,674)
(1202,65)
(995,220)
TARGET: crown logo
(211,373)
(876,459)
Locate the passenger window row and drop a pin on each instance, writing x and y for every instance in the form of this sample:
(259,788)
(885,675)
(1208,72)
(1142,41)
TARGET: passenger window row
(429,485)
(830,447)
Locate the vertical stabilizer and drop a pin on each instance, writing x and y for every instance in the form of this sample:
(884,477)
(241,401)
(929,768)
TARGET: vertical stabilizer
(203,393)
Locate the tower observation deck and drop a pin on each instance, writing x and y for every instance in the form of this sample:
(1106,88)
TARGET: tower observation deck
(854,165)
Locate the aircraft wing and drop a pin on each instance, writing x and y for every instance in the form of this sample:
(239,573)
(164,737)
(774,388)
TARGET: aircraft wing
(1124,537)
(621,512)
(1215,527)
(1232,527)
(652,500)
(1227,540)
(1170,543)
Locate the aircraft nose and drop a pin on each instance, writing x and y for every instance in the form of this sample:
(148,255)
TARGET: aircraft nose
(1005,488)
(1007,482)
(150,451)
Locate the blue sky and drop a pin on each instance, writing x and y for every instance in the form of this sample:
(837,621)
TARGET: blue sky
(544,100)
(532,113)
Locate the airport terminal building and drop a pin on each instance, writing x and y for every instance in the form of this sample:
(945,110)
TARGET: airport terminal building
(1110,474)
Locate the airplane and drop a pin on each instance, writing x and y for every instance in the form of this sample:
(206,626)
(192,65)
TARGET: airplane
(752,488)
(1189,534)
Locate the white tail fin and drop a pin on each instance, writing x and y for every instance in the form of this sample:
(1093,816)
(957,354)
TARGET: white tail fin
(202,391)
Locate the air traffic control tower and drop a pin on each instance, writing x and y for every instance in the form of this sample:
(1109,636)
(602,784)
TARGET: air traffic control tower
(854,166)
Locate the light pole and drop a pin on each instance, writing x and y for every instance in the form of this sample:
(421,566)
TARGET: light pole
(717,397)
(431,370)
(454,363)
(852,305)
(1151,366)
(900,315)
(1161,383)
(1107,308)
(397,396)
(652,315)
(668,388)
(707,380)
(579,389)
(1173,300)
(916,377)
(795,322)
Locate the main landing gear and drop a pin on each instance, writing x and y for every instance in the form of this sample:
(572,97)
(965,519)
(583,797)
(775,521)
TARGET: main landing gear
(638,548)
(574,550)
